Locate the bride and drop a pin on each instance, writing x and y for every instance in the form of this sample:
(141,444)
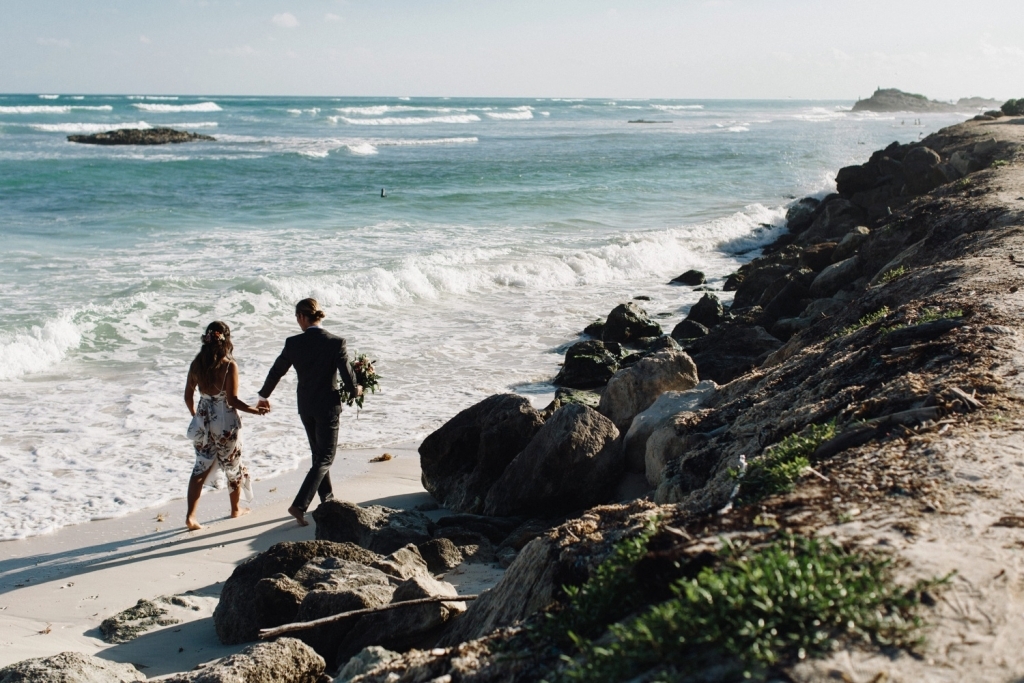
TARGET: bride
(215,426)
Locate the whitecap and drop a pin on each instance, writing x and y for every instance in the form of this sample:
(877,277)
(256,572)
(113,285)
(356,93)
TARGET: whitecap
(177,108)
(53,109)
(362,149)
(38,349)
(49,97)
(152,97)
(87,128)
(406,120)
(677,107)
(510,115)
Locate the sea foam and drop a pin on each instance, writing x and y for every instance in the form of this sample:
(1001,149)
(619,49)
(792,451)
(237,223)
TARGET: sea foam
(177,108)
(406,120)
(37,349)
(53,109)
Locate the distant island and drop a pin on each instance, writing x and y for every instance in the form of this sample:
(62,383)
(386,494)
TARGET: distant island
(132,136)
(646,121)
(891,99)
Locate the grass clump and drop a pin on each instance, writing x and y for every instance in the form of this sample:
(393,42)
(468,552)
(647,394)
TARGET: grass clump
(930,315)
(869,319)
(757,609)
(782,464)
(999,163)
(893,274)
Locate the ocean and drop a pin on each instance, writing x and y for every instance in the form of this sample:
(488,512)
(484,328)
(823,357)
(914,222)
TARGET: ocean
(507,226)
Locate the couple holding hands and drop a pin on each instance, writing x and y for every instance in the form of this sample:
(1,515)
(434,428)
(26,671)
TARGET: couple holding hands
(319,358)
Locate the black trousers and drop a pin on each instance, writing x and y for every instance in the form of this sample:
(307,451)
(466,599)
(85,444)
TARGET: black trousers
(322,430)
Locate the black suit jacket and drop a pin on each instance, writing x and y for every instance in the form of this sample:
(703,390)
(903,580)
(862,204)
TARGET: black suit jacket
(319,357)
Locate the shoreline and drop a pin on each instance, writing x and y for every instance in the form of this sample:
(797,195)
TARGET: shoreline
(68,581)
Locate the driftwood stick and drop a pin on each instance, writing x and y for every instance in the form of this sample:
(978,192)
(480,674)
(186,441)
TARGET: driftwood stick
(303,625)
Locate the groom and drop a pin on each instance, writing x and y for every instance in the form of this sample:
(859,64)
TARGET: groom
(319,357)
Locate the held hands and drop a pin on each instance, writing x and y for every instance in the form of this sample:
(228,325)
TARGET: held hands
(263,406)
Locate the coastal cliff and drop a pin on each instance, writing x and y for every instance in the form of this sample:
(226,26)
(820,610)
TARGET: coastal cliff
(887,420)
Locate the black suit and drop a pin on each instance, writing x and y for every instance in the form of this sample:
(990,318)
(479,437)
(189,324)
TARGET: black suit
(319,358)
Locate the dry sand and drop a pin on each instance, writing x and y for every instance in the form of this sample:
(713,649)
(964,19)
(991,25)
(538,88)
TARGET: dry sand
(56,589)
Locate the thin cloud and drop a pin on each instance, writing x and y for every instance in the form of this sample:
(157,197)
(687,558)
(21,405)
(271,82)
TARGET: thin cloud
(144,39)
(330,16)
(239,51)
(285,20)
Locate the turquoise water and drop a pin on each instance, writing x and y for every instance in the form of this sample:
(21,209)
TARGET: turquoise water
(507,226)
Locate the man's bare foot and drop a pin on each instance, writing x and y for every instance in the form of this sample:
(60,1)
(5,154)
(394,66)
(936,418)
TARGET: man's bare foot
(240,511)
(192,524)
(299,515)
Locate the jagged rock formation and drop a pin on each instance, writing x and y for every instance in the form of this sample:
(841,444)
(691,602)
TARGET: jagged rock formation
(132,136)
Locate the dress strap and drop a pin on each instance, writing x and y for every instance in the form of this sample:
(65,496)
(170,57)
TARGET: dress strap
(225,380)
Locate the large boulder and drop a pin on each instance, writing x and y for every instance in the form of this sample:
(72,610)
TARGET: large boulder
(757,277)
(246,606)
(634,390)
(441,555)
(69,667)
(374,527)
(853,179)
(800,215)
(627,323)
(462,459)
(731,350)
(573,462)
(839,217)
(707,312)
(849,245)
(404,627)
(368,659)
(285,660)
(687,330)
(690,277)
(835,277)
(668,405)
(921,168)
(589,364)
(788,295)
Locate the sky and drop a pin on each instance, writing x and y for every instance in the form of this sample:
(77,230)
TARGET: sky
(701,49)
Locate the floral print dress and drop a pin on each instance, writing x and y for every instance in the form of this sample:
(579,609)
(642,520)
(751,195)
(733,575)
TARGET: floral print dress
(216,434)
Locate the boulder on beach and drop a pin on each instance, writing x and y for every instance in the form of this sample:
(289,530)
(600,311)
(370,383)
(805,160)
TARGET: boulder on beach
(69,667)
(590,364)
(261,593)
(666,407)
(687,330)
(628,322)
(708,311)
(690,277)
(132,136)
(465,456)
(285,660)
(573,462)
(374,527)
(731,350)
(634,390)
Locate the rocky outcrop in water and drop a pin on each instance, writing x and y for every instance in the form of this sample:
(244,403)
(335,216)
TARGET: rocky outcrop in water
(132,136)
(891,100)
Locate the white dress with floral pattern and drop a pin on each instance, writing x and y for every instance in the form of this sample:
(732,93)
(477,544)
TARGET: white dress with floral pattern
(216,433)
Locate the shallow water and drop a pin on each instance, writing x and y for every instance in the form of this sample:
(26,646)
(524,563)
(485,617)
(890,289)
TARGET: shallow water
(507,226)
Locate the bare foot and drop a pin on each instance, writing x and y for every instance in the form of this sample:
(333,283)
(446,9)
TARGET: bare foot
(192,524)
(299,515)
(240,511)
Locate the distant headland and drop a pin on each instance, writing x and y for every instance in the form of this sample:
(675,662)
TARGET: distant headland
(891,99)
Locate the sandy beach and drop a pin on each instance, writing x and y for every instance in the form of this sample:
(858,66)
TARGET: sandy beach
(56,589)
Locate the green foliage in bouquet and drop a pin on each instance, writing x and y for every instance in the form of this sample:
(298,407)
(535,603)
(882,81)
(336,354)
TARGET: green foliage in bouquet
(366,376)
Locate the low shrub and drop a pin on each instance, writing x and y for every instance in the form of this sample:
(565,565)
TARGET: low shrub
(782,464)
(1013,107)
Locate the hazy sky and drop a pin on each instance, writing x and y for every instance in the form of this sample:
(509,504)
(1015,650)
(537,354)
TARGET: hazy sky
(827,49)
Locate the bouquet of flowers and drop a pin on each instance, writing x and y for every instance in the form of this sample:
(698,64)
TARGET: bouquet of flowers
(366,376)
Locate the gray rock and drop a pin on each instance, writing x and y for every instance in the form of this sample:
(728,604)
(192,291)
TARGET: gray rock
(839,217)
(405,627)
(134,621)
(374,527)
(572,463)
(285,660)
(964,163)
(667,406)
(321,603)
(440,554)
(985,147)
(69,667)
(635,389)
(628,322)
(404,563)
(785,328)
(132,136)
(589,364)
(758,276)
(708,311)
(333,574)
(731,350)
(800,215)
(691,278)
(919,165)
(849,245)
(462,459)
(688,329)
(366,660)
(835,277)
(506,556)
(243,609)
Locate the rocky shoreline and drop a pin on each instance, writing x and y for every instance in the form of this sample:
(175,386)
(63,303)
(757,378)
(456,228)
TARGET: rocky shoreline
(857,410)
(134,136)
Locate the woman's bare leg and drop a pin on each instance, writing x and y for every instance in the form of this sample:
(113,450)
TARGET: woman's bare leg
(235,496)
(195,489)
